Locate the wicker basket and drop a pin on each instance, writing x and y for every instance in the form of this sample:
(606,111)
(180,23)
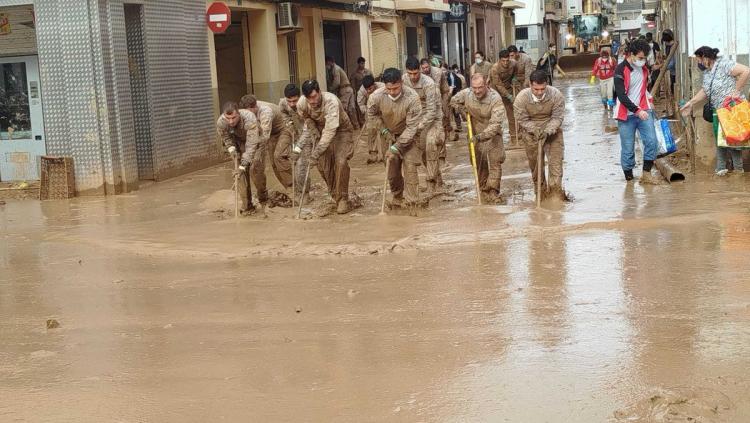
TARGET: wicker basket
(57,178)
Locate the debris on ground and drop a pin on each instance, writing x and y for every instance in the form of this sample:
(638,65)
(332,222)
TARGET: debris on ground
(279,199)
(52,324)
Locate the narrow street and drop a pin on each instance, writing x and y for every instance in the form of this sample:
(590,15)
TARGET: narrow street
(630,303)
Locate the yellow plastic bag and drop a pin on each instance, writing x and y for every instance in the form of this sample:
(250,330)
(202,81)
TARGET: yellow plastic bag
(735,122)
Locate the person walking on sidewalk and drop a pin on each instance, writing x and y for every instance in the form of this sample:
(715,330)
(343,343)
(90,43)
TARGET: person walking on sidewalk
(240,133)
(722,78)
(634,111)
(324,112)
(540,110)
(604,70)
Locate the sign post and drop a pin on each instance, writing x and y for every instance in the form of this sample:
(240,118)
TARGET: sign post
(218,17)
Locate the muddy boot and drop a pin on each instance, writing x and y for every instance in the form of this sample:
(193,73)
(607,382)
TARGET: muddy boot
(395,203)
(441,163)
(343,206)
(412,207)
(263,210)
(649,179)
(431,188)
(628,175)
(492,196)
(248,211)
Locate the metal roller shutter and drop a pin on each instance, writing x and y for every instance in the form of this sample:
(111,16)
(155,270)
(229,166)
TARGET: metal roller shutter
(384,49)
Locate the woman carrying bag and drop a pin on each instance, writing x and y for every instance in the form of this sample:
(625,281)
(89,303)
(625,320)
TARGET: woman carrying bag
(722,78)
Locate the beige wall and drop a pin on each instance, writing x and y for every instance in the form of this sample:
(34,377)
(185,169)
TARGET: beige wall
(266,52)
(22,38)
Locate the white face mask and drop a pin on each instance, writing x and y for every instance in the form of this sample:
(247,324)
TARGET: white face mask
(479,61)
(394,98)
(639,63)
(536,99)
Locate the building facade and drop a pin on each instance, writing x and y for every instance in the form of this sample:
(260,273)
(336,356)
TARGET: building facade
(130,89)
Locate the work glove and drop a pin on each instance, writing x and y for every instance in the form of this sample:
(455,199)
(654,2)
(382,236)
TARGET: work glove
(240,170)
(394,150)
(592,80)
(539,133)
(550,131)
(314,157)
(232,151)
(295,152)
(476,139)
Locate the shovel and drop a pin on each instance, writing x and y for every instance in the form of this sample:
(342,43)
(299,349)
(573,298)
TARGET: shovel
(236,189)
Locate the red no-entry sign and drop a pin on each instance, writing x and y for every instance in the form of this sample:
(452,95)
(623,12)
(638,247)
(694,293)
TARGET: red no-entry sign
(218,17)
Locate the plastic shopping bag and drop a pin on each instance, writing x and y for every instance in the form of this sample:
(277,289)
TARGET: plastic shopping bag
(666,142)
(721,140)
(734,119)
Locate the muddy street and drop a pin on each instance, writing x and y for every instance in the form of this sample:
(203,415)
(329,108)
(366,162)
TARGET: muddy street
(631,303)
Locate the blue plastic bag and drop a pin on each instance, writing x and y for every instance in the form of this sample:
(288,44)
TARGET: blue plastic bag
(666,143)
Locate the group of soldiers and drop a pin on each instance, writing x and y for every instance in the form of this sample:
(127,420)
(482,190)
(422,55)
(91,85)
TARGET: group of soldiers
(405,119)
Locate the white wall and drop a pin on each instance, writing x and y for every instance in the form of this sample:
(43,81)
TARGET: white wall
(720,24)
(532,14)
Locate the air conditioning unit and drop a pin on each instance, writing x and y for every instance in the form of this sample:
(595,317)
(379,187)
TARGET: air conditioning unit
(288,17)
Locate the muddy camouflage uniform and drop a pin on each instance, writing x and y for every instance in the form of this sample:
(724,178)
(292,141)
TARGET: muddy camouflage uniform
(506,80)
(487,118)
(401,117)
(543,119)
(430,134)
(291,135)
(245,137)
(338,83)
(271,122)
(526,67)
(375,143)
(440,77)
(356,79)
(330,123)
(484,69)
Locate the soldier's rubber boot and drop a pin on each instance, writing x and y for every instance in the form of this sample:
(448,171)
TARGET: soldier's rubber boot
(343,206)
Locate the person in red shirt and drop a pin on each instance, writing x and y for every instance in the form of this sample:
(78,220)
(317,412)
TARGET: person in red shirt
(604,70)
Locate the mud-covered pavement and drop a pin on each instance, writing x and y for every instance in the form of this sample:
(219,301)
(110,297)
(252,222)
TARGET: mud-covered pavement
(629,304)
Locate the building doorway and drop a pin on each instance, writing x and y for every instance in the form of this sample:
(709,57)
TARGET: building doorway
(21,119)
(412,44)
(434,41)
(138,72)
(333,41)
(230,62)
(481,44)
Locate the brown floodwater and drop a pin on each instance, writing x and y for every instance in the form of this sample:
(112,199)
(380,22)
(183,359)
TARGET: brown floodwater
(629,304)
